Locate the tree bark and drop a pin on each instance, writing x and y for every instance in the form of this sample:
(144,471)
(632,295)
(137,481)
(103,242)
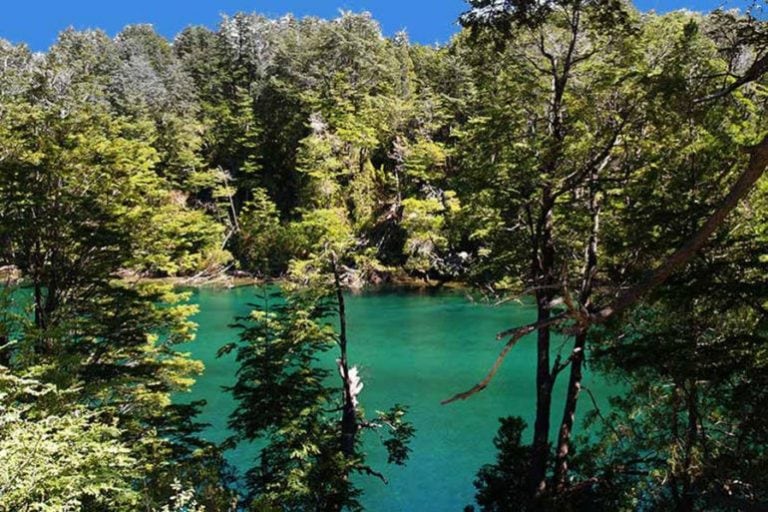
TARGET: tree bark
(543,263)
(569,412)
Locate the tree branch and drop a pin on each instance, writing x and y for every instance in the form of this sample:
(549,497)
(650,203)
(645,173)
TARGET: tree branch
(755,169)
(533,327)
(561,365)
(517,334)
(370,471)
(755,71)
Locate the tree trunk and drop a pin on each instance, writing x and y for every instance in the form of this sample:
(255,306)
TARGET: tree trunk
(39,307)
(687,500)
(540,447)
(569,412)
(544,262)
(349,425)
(544,379)
(580,344)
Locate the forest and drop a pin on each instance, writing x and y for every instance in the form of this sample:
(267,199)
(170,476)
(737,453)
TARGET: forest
(602,165)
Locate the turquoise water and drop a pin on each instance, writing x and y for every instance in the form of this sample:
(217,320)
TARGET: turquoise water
(416,349)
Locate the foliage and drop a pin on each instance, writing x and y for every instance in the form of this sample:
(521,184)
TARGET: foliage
(264,242)
(684,435)
(502,486)
(559,147)
(285,399)
(60,461)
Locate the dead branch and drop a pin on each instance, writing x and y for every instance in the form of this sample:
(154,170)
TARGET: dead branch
(517,335)
(370,471)
(533,327)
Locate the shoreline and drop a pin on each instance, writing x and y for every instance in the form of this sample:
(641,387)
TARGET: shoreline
(229,282)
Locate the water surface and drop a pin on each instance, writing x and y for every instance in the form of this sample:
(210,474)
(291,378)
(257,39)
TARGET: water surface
(416,349)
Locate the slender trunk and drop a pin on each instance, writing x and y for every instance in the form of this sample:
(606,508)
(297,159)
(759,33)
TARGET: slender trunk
(349,425)
(39,307)
(540,447)
(687,502)
(580,344)
(544,381)
(674,429)
(544,262)
(43,311)
(36,271)
(569,412)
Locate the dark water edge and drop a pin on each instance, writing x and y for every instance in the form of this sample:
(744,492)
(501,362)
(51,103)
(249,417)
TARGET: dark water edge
(416,348)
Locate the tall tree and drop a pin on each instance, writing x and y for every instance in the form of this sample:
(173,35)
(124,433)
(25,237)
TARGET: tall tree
(76,186)
(312,428)
(573,147)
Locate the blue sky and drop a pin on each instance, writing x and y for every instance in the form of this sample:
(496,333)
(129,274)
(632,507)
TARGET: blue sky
(37,22)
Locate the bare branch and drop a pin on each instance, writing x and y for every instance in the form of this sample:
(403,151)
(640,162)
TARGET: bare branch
(755,71)
(525,293)
(560,365)
(599,413)
(533,327)
(370,471)
(517,335)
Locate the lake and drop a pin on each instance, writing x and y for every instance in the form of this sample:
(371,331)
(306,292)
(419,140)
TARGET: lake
(413,348)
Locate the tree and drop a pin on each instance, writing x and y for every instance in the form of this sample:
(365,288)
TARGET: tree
(683,437)
(63,460)
(575,152)
(313,429)
(575,148)
(501,486)
(136,82)
(77,187)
